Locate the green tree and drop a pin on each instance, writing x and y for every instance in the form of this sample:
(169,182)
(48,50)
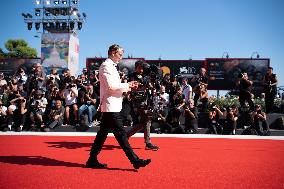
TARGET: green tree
(2,54)
(19,48)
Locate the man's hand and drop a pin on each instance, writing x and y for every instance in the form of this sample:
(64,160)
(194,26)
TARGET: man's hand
(56,117)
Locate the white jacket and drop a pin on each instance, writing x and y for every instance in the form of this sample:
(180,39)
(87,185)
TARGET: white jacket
(111,88)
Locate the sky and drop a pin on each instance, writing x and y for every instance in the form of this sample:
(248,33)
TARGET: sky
(170,29)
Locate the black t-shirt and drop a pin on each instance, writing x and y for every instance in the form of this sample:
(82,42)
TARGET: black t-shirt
(53,112)
(178,100)
(83,99)
(136,77)
(268,81)
(245,85)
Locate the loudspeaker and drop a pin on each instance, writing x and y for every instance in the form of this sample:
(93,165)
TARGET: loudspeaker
(275,121)
(277,124)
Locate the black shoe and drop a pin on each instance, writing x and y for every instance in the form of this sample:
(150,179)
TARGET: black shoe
(150,146)
(141,163)
(95,164)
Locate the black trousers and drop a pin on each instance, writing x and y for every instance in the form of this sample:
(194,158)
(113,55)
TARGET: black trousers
(112,120)
(265,127)
(204,102)
(246,97)
(269,102)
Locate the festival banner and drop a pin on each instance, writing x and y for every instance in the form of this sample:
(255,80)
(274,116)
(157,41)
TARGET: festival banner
(223,74)
(73,55)
(55,50)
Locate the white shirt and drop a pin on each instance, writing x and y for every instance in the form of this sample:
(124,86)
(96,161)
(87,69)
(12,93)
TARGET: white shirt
(3,82)
(42,102)
(186,90)
(111,88)
(4,108)
(70,98)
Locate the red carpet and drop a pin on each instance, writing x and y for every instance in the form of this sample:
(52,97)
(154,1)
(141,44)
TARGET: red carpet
(57,162)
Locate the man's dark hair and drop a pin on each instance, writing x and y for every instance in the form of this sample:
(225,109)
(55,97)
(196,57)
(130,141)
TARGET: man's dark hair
(270,68)
(139,63)
(113,48)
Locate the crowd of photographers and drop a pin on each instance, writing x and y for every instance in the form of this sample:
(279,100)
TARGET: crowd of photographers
(36,101)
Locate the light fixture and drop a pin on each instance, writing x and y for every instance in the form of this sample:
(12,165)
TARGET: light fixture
(51,25)
(80,25)
(64,25)
(37,12)
(84,14)
(56,2)
(30,25)
(37,2)
(47,2)
(47,14)
(227,55)
(255,53)
(24,15)
(57,25)
(72,24)
(44,25)
(75,11)
(29,15)
(64,2)
(75,2)
(37,25)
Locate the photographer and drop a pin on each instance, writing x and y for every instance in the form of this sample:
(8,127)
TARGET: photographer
(50,82)
(160,111)
(140,106)
(270,89)
(230,125)
(85,73)
(87,98)
(245,91)
(200,89)
(3,83)
(54,75)
(65,78)
(260,117)
(94,79)
(176,107)
(213,126)
(21,76)
(38,107)
(186,90)
(52,95)
(70,94)
(17,113)
(36,78)
(3,113)
(161,98)
(190,116)
(55,116)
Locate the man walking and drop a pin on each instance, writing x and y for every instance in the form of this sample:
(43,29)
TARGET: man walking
(111,90)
